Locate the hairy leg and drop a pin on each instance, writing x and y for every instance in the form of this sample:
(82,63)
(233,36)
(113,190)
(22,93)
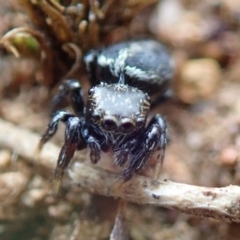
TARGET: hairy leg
(94,148)
(73,141)
(154,140)
(73,89)
(122,154)
(59,116)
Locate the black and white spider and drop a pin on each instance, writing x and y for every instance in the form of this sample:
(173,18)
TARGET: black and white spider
(123,78)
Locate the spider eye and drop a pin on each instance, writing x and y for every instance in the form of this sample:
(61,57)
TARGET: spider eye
(109,123)
(127,126)
(90,92)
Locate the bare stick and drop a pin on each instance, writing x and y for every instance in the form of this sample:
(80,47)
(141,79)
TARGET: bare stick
(24,143)
(218,203)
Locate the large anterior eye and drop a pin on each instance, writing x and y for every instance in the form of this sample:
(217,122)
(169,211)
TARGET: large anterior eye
(109,123)
(127,126)
(90,92)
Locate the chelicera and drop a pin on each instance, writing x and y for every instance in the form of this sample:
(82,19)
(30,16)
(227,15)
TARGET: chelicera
(123,78)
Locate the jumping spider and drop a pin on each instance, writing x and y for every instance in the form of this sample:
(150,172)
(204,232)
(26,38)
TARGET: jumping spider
(123,76)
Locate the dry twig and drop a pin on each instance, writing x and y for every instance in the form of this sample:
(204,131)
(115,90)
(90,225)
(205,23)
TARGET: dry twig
(218,203)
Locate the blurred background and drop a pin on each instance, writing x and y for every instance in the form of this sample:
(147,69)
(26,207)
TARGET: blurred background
(203,116)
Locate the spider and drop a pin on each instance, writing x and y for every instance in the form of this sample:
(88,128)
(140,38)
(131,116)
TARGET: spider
(114,118)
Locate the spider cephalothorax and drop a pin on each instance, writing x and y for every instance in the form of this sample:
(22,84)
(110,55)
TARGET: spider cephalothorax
(117,107)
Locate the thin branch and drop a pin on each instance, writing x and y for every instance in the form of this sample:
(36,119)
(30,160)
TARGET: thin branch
(218,203)
(23,142)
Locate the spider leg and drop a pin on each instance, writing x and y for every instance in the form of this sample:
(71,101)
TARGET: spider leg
(90,60)
(74,90)
(92,142)
(73,141)
(154,139)
(163,140)
(58,116)
(95,149)
(73,134)
(121,155)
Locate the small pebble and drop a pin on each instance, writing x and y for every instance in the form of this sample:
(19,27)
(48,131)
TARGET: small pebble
(5,159)
(61,210)
(233,6)
(33,196)
(12,184)
(229,156)
(199,79)
(177,25)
